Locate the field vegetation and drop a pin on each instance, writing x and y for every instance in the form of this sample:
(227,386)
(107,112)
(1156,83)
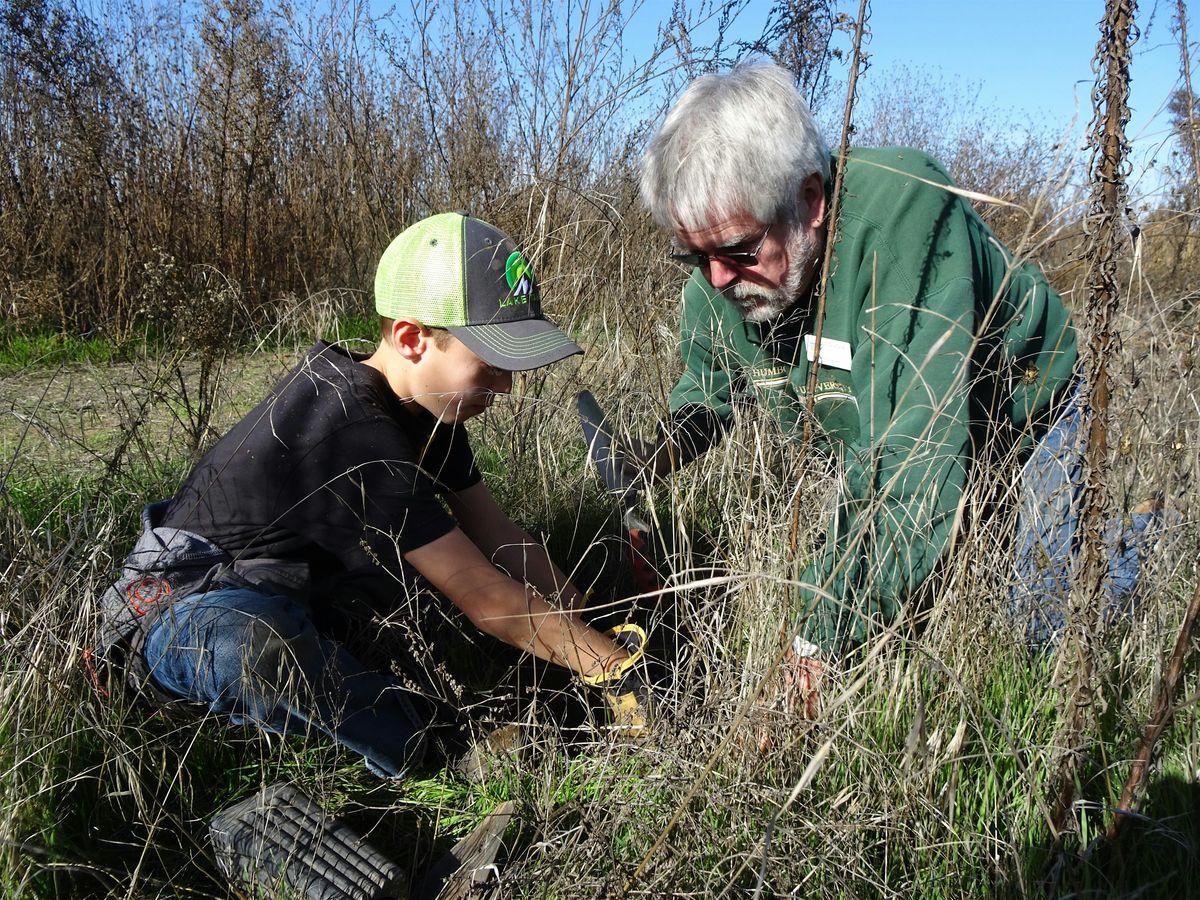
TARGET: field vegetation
(194,193)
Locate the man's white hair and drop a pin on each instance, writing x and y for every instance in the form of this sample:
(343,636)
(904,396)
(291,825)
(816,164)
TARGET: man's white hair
(735,143)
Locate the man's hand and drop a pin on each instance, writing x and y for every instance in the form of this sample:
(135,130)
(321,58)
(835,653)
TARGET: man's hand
(624,464)
(797,689)
(795,692)
(802,684)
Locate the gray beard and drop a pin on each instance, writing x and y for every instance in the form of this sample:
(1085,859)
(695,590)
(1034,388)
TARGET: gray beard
(757,304)
(760,304)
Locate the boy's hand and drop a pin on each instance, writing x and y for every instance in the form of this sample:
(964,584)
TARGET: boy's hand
(625,691)
(629,704)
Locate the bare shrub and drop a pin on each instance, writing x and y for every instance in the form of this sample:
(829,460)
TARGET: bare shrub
(981,149)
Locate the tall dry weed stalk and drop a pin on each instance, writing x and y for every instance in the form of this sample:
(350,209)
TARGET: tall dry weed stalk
(1162,708)
(1106,228)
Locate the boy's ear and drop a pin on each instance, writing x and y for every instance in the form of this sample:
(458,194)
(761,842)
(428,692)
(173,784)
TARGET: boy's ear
(409,338)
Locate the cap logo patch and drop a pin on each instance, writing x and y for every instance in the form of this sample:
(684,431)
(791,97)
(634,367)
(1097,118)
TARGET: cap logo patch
(520,280)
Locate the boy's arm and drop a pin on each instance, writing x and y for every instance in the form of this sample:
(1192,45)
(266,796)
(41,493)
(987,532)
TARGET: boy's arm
(510,611)
(509,546)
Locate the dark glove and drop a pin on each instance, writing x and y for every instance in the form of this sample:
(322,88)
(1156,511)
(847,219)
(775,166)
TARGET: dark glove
(646,459)
(623,686)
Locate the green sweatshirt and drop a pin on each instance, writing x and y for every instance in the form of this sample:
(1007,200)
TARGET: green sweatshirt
(937,350)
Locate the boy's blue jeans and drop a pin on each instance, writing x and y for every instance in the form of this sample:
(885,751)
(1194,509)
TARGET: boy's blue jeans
(1048,544)
(258,658)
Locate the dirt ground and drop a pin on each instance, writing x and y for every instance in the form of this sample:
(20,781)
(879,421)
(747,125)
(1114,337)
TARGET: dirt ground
(81,415)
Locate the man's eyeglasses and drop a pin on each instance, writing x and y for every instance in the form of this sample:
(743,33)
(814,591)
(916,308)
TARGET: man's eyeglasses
(743,259)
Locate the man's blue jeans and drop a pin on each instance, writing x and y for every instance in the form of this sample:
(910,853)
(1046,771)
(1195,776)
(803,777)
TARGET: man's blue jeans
(258,659)
(1047,540)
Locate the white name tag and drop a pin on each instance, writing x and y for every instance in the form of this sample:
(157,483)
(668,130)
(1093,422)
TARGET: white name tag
(834,354)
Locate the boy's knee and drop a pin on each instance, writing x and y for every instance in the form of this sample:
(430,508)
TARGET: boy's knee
(223,639)
(280,650)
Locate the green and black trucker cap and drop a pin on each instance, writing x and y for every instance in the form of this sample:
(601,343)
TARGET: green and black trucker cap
(459,273)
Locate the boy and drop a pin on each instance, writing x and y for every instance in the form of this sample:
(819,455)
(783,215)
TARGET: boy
(332,488)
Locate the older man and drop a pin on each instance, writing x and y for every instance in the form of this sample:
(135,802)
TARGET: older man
(938,350)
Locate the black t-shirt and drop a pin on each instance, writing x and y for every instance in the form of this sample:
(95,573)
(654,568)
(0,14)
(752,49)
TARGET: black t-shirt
(331,470)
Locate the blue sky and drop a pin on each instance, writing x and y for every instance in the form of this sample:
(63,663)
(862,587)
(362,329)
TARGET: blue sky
(1030,59)
(1033,59)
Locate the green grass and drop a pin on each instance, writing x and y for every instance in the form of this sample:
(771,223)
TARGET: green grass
(31,348)
(20,351)
(353,324)
(56,502)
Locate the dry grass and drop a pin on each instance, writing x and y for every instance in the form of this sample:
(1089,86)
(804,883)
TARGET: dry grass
(925,776)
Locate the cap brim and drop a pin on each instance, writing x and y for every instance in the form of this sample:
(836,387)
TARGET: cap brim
(517,346)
